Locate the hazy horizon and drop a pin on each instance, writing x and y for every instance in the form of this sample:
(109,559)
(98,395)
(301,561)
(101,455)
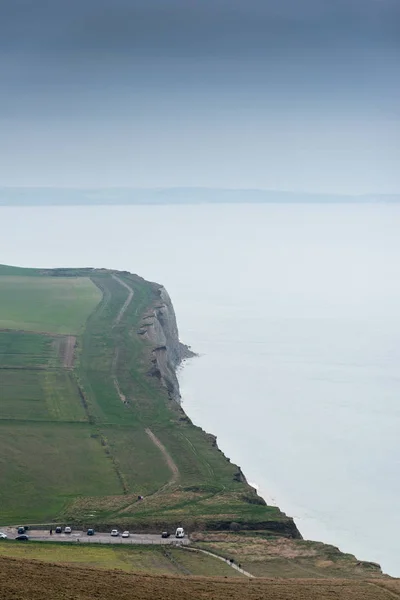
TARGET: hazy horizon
(213,93)
(119,196)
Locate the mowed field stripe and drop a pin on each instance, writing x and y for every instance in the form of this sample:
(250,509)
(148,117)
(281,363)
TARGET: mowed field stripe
(47,304)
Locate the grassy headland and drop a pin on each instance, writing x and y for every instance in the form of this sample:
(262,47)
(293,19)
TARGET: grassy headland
(82,439)
(92,432)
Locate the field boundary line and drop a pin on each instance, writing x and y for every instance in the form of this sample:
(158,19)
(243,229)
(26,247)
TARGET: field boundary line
(173,560)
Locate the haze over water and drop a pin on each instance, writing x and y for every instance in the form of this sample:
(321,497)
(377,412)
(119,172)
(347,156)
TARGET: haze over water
(295,311)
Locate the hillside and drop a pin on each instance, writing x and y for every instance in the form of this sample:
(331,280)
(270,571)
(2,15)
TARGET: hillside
(92,433)
(33,580)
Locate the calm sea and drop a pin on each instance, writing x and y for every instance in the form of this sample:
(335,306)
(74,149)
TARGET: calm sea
(295,311)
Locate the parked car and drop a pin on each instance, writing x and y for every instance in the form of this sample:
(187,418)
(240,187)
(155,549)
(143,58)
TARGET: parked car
(58,529)
(3,536)
(115,533)
(68,529)
(20,530)
(90,532)
(125,534)
(22,538)
(165,534)
(179,532)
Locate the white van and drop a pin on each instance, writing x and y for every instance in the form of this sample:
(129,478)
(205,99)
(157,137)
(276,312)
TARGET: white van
(179,533)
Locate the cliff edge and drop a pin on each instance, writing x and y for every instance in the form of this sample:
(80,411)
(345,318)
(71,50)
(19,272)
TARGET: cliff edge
(159,327)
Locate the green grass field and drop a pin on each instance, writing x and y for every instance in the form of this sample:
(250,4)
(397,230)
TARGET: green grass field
(27,350)
(39,395)
(47,304)
(44,466)
(33,384)
(134,559)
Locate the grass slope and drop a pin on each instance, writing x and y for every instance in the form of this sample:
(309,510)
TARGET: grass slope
(44,466)
(36,580)
(272,556)
(131,559)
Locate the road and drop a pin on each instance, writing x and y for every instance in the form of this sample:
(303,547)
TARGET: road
(41,535)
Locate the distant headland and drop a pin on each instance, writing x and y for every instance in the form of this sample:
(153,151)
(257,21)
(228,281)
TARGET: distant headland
(52,196)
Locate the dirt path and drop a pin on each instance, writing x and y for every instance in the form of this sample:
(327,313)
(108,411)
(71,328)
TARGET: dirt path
(171,465)
(127,301)
(225,560)
(68,351)
(122,396)
(193,449)
(118,318)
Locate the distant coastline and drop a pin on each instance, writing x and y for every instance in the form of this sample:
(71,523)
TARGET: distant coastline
(51,196)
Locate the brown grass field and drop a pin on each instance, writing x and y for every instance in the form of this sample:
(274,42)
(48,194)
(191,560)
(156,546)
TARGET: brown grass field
(34,580)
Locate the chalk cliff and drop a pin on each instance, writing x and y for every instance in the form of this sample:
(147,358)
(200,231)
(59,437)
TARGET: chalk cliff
(159,327)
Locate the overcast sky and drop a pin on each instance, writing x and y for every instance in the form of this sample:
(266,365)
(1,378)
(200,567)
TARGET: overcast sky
(281,94)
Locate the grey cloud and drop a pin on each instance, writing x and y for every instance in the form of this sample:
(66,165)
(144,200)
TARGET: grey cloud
(196,28)
(166,71)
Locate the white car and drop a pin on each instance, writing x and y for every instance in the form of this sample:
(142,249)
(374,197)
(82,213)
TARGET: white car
(115,533)
(3,536)
(126,534)
(68,529)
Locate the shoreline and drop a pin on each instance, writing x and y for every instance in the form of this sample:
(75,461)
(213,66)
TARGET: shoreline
(318,530)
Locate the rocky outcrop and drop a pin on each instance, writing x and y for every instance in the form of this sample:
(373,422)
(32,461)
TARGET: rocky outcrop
(159,327)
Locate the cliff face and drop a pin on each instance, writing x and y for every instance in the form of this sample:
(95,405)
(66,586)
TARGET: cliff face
(159,327)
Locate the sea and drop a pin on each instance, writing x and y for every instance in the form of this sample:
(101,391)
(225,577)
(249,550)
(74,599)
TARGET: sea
(294,311)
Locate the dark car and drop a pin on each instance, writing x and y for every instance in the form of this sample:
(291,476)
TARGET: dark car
(58,529)
(22,538)
(165,534)
(20,530)
(90,532)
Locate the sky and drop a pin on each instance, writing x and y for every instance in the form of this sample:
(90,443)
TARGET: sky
(299,95)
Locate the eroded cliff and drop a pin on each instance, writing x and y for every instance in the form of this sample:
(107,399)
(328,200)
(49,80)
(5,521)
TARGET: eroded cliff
(160,328)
